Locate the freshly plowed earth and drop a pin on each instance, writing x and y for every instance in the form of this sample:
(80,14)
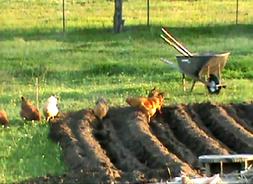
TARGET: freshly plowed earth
(124,147)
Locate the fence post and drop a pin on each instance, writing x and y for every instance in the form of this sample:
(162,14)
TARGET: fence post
(63,16)
(148,13)
(237,9)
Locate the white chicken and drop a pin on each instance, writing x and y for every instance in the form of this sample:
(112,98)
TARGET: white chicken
(50,109)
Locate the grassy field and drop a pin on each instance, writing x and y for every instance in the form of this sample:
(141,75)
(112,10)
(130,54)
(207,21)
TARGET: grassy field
(90,61)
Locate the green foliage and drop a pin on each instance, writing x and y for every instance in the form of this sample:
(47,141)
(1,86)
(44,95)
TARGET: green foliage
(90,61)
(26,152)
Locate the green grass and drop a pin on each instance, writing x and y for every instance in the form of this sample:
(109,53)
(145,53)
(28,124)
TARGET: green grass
(26,152)
(90,61)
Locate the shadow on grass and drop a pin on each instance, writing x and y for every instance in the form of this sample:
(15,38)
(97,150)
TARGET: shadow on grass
(110,71)
(87,36)
(136,32)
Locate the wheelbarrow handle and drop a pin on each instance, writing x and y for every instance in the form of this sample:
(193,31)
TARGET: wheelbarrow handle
(176,42)
(170,63)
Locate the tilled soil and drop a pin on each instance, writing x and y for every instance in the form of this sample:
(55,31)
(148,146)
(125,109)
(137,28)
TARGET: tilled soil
(124,147)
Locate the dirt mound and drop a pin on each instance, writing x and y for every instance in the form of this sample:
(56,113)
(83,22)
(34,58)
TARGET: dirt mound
(125,147)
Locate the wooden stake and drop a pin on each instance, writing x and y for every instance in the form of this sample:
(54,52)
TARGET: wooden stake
(183,81)
(37,91)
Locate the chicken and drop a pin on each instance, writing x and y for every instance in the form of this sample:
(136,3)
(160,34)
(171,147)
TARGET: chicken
(147,105)
(136,101)
(153,92)
(50,109)
(4,119)
(28,111)
(101,108)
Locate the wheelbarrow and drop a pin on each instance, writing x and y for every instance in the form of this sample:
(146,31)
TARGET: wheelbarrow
(203,67)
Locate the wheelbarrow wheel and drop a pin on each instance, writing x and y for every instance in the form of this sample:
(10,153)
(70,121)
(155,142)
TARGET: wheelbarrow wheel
(213,87)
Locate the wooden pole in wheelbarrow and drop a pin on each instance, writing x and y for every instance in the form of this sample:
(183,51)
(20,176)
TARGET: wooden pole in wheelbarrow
(179,50)
(176,42)
(174,45)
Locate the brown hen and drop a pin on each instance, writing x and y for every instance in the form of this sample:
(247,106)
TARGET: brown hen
(101,108)
(4,118)
(28,111)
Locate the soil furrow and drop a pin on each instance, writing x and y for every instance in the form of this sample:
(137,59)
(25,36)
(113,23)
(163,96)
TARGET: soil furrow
(135,134)
(242,120)
(124,147)
(72,152)
(94,155)
(196,118)
(168,139)
(245,111)
(225,128)
(190,134)
(81,168)
(118,154)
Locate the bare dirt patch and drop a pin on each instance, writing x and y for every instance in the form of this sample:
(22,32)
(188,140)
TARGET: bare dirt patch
(124,147)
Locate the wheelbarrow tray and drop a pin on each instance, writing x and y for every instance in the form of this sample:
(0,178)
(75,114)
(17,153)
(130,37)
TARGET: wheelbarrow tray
(200,65)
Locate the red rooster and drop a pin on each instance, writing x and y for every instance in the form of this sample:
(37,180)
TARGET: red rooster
(148,105)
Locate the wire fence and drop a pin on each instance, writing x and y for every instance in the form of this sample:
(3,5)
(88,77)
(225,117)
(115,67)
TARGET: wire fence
(99,13)
(48,15)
